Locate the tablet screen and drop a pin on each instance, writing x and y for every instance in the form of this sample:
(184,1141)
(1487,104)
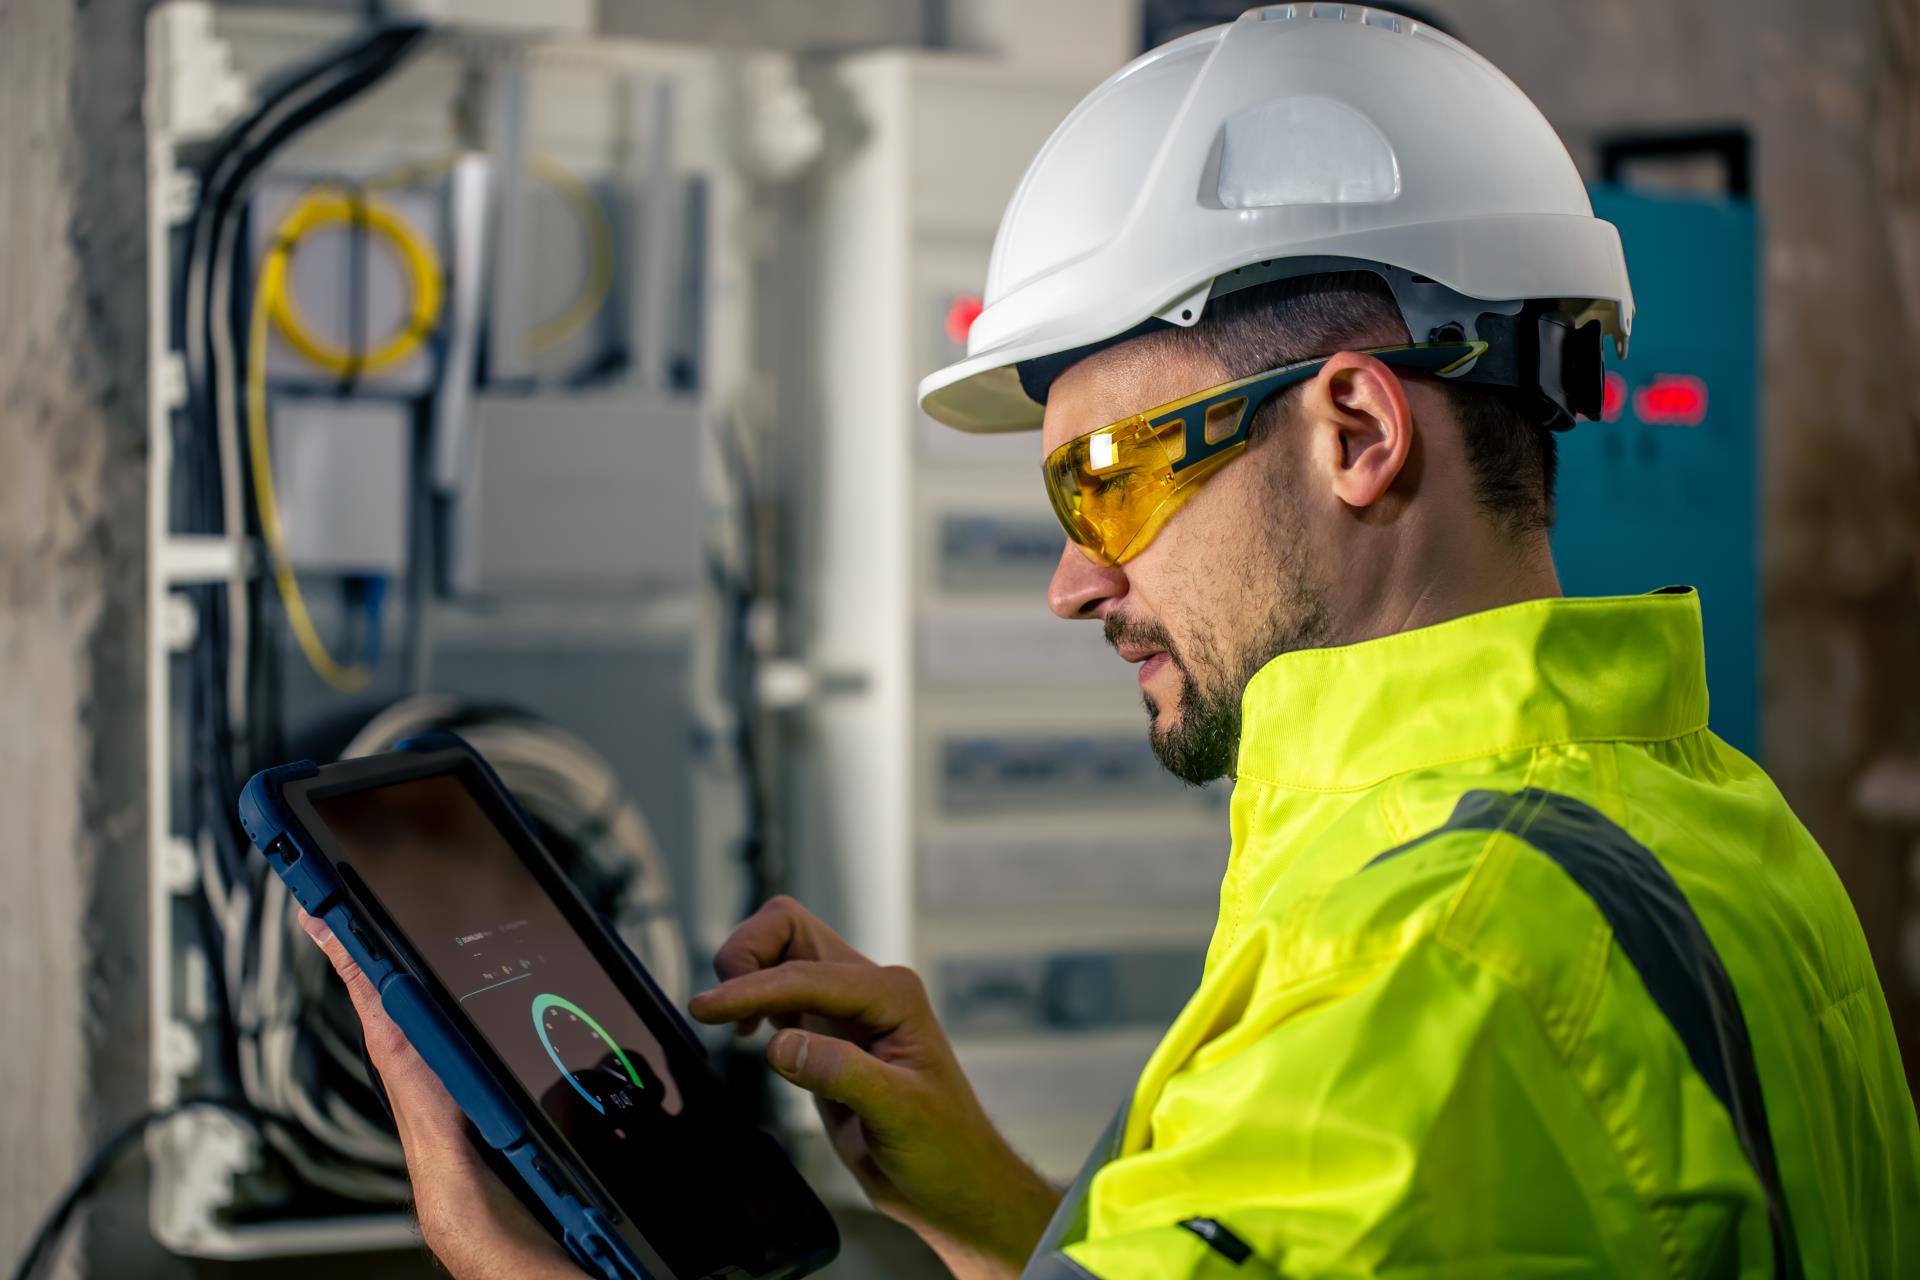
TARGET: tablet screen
(639,1108)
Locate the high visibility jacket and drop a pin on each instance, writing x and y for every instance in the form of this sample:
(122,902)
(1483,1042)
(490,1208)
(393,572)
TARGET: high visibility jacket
(1519,971)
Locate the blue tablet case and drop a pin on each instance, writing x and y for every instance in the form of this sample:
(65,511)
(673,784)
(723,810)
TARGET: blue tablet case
(585,1229)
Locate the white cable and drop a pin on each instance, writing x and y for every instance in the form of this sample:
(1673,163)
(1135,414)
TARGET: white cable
(563,782)
(237,946)
(232,512)
(277,1052)
(264,1005)
(351,1182)
(212,879)
(217,365)
(277,1045)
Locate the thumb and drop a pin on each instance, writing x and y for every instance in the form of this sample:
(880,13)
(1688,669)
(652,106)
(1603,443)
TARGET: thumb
(384,1040)
(832,1068)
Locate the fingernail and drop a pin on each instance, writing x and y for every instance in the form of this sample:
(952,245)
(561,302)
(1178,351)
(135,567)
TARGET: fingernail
(788,1052)
(317,929)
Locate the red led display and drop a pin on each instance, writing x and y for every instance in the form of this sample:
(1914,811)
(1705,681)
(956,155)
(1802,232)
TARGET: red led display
(1613,398)
(961,313)
(1672,400)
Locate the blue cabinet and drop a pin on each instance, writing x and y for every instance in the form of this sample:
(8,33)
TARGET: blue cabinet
(1664,489)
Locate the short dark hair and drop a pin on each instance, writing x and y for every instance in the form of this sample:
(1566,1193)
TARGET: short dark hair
(1511,452)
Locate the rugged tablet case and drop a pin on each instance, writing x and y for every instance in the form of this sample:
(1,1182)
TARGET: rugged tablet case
(584,1225)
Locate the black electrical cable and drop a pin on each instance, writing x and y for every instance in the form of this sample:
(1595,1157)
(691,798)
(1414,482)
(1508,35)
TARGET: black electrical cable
(213,242)
(218,186)
(228,190)
(765,875)
(234,162)
(226,173)
(98,1166)
(390,50)
(359,288)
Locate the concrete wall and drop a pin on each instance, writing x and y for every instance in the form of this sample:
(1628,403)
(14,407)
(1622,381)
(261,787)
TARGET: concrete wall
(72,548)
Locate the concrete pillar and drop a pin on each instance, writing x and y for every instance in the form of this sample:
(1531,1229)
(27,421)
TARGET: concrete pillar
(72,558)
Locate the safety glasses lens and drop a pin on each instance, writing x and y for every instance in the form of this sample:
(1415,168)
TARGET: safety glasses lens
(1106,485)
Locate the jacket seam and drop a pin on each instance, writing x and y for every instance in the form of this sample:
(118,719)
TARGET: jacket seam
(1833,1005)
(1626,1141)
(1560,1034)
(1477,754)
(1556,1026)
(1392,815)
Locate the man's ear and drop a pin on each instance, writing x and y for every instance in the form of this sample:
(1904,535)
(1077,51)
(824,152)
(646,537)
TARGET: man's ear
(1362,427)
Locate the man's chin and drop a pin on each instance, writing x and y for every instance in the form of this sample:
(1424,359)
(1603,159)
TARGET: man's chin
(1195,755)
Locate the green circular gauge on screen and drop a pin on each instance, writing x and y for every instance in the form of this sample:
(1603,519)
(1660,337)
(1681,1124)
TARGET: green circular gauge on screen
(580,1046)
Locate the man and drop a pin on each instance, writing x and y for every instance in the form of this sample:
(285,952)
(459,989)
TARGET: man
(1519,970)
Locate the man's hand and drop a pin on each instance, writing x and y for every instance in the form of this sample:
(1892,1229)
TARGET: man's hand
(468,1218)
(863,1040)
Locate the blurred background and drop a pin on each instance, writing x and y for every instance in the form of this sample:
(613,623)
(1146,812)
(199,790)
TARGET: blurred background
(552,377)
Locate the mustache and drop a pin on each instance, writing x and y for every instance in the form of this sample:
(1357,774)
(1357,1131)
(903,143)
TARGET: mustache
(1141,635)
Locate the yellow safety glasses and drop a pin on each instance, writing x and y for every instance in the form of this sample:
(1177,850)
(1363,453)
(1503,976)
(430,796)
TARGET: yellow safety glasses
(1114,488)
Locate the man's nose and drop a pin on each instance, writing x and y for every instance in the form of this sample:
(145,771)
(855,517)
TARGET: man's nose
(1080,587)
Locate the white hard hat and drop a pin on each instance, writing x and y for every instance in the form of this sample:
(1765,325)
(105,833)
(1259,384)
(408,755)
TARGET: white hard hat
(1301,138)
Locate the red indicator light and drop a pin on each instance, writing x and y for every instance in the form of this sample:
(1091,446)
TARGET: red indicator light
(1672,400)
(1613,397)
(961,313)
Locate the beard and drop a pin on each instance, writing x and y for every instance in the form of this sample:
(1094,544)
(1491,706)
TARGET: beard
(1203,742)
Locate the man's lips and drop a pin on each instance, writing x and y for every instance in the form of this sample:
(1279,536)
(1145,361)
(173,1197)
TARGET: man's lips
(1150,660)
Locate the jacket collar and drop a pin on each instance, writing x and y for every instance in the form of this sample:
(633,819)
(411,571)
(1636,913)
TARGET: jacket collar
(1615,668)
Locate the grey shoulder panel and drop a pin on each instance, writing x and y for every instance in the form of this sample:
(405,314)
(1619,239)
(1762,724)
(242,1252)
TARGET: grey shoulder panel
(1659,934)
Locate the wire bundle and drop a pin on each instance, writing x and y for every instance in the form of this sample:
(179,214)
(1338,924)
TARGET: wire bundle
(597,835)
(299,1052)
(328,1138)
(273,302)
(275,307)
(293,1054)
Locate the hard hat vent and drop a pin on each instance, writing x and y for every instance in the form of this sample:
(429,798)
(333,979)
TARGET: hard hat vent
(1360,13)
(1304,149)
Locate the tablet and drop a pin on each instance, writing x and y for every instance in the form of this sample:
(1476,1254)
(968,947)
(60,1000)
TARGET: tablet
(542,1024)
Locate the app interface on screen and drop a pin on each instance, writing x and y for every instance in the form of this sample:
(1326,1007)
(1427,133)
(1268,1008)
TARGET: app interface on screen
(638,1107)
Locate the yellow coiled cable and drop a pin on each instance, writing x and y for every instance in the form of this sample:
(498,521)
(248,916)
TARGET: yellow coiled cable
(273,303)
(595,230)
(274,306)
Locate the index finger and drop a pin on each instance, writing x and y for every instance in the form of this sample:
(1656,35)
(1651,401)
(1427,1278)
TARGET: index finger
(780,930)
(863,993)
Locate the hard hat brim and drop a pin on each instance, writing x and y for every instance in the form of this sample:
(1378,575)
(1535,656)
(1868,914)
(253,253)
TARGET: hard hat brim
(983,394)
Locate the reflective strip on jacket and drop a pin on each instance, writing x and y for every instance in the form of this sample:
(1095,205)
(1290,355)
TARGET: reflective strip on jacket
(1519,971)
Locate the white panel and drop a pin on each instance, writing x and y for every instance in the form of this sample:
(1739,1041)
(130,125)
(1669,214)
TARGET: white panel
(340,470)
(1073,871)
(549,505)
